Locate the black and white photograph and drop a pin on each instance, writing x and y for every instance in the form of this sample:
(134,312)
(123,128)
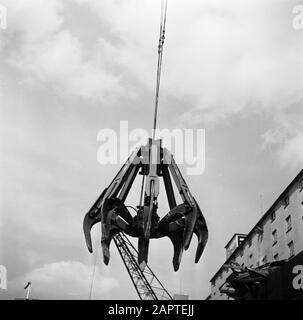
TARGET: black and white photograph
(151,150)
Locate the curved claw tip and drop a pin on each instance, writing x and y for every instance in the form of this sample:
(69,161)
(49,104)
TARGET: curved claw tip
(198,255)
(202,236)
(88,239)
(106,254)
(177,259)
(176,267)
(88,223)
(177,242)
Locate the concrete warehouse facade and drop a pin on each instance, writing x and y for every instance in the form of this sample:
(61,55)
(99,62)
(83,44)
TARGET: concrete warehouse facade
(278,235)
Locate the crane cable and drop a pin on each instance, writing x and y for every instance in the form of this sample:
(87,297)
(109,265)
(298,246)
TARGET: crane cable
(160,57)
(159,67)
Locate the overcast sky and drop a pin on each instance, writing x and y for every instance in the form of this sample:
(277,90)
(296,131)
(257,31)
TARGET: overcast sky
(69,68)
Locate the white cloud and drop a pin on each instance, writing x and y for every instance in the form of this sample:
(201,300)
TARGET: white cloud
(273,137)
(285,138)
(220,57)
(60,60)
(292,152)
(38,45)
(64,279)
(34,19)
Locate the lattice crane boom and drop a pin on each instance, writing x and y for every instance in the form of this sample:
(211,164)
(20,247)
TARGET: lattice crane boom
(146,283)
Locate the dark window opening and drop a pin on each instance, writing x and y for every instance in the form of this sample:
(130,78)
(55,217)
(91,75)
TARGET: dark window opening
(286,201)
(274,237)
(288,223)
(291,249)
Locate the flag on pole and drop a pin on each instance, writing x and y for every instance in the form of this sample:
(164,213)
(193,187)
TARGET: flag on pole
(28,284)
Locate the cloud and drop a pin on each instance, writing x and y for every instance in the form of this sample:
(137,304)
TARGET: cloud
(292,152)
(64,280)
(60,60)
(33,20)
(285,138)
(40,47)
(220,58)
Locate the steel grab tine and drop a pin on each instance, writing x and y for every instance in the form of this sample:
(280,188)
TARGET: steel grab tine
(177,241)
(105,244)
(143,246)
(91,218)
(190,221)
(88,223)
(202,236)
(201,232)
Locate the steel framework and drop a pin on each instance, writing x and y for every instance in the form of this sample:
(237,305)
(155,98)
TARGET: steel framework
(147,285)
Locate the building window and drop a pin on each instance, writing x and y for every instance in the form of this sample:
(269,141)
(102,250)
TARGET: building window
(250,256)
(260,233)
(273,216)
(249,242)
(291,249)
(241,240)
(259,230)
(264,260)
(276,257)
(288,223)
(286,201)
(274,237)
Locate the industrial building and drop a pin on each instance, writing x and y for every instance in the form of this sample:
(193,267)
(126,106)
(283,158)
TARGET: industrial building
(272,251)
